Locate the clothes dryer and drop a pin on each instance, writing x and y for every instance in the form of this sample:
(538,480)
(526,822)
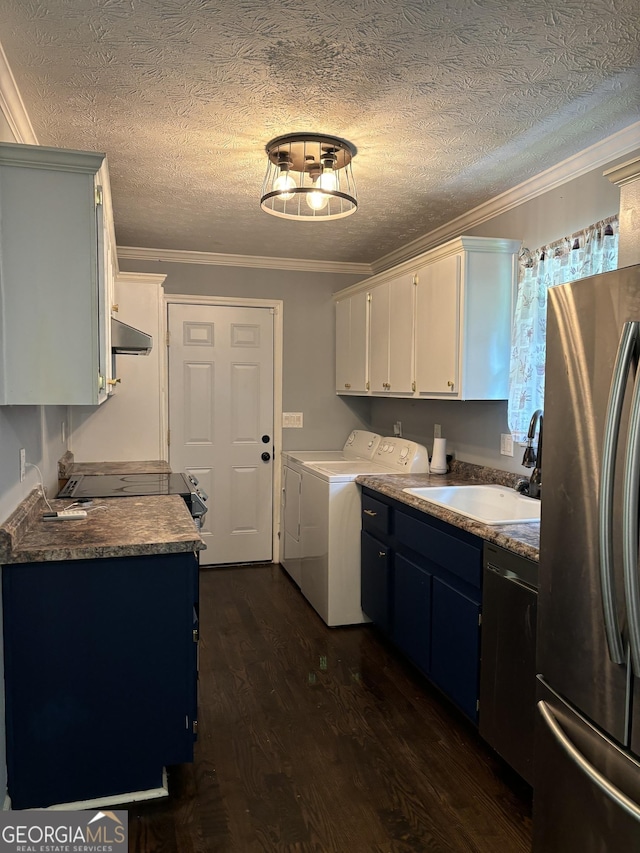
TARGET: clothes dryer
(330,525)
(360,444)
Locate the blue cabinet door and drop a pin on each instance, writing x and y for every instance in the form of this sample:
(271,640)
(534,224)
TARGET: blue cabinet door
(375,574)
(412,611)
(100,671)
(455,652)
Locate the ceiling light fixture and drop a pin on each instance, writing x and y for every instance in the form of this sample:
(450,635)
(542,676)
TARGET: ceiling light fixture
(309,177)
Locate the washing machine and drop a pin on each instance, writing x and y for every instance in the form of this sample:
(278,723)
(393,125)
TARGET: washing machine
(360,444)
(330,524)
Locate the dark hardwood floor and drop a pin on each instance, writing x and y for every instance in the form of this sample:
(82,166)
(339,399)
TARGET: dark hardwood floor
(322,740)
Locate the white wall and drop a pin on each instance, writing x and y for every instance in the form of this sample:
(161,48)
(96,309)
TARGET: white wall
(309,340)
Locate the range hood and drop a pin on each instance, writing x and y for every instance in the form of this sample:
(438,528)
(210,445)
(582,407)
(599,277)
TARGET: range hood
(126,339)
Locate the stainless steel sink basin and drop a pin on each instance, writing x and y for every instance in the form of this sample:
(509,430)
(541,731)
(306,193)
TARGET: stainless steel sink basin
(488,504)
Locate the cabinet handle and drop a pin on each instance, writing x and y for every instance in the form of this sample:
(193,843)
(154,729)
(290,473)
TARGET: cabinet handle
(450,384)
(113,381)
(382,553)
(347,385)
(370,512)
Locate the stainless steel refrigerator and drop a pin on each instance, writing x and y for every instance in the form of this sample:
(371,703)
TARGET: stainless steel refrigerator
(587,755)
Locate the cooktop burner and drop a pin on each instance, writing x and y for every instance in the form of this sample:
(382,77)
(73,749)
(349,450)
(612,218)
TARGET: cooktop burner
(124,485)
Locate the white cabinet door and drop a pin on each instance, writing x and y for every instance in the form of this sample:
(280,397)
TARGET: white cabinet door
(351,344)
(54,281)
(379,339)
(438,297)
(391,336)
(401,334)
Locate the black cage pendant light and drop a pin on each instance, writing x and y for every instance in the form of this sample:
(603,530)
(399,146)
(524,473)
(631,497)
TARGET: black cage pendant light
(309,177)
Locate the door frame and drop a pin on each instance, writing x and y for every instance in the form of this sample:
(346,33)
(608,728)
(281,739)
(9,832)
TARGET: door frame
(277,305)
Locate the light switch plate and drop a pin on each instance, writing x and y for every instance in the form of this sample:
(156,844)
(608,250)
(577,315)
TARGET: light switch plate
(506,444)
(292,420)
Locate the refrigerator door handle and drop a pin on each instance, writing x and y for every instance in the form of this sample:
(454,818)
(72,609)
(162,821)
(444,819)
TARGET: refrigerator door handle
(619,798)
(624,358)
(630,527)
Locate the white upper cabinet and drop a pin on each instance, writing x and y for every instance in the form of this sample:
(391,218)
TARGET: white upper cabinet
(440,324)
(438,328)
(56,277)
(464,311)
(391,337)
(352,323)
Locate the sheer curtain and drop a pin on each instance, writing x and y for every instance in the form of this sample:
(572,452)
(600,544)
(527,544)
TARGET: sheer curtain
(588,252)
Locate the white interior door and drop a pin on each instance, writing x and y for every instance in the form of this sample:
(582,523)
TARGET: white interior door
(221,423)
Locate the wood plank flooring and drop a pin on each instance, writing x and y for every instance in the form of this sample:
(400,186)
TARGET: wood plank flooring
(322,740)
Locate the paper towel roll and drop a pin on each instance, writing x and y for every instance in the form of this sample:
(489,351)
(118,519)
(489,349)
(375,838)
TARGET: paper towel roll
(439,458)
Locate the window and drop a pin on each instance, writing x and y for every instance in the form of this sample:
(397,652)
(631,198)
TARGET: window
(585,253)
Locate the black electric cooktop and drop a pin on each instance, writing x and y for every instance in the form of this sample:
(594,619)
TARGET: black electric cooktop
(124,485)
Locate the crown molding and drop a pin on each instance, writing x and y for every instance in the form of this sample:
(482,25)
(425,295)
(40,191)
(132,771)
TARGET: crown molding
(175,256)
(442,250)
(618,145)
(625,173)
(140,278)
(12,105)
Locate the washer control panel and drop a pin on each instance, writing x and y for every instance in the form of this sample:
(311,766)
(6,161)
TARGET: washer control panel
(402,455)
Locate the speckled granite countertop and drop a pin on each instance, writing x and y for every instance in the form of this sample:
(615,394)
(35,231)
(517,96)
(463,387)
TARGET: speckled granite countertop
(523,539)
(126,527)
(67,466)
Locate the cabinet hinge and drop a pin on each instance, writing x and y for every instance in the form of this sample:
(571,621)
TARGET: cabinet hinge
(368,297)
(168,437)
(196,635)
(194,727)
(168,338)
(413,386)
(366,386)
(415,279)
(477,704)
(99,196)
(479,618)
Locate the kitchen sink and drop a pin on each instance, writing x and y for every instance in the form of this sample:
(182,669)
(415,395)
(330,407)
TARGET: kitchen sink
(488,504)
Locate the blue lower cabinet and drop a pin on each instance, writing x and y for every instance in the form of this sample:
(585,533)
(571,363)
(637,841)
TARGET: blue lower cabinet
(100,673)
(375,581)
(421,583)
(455,655)
(412,611)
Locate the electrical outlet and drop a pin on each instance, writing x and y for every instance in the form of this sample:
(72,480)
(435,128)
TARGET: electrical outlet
(437,431)
(397,428)
(23,464)
(506,444)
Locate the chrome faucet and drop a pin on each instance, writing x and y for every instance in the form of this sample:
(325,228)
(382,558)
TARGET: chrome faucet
(533,458)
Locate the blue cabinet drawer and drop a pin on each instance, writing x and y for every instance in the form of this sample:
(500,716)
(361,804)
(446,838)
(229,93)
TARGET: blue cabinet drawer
(376,516)
(462,558)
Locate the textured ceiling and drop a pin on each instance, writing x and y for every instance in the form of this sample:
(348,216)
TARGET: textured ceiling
(449,103)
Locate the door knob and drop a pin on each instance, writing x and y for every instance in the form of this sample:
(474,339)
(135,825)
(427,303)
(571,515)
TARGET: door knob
(265,456)
(266,439)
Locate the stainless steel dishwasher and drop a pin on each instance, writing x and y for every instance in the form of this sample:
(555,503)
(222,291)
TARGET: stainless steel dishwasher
(508,656)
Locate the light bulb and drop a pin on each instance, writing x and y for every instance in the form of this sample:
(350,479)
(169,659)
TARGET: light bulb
(283,183)
(317,200)
(328,180)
